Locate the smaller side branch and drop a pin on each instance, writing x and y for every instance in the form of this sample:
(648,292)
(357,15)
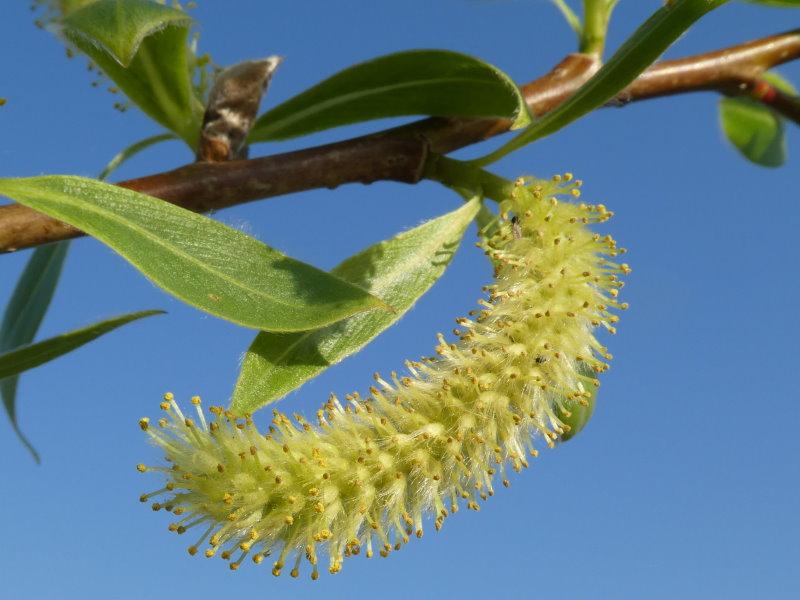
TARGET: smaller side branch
(769,95)
(722,70)
(784,104)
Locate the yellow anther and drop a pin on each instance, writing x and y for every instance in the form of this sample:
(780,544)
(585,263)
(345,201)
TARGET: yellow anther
(442,426)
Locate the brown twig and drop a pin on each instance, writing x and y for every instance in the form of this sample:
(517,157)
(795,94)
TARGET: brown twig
(761,90)
(399,154)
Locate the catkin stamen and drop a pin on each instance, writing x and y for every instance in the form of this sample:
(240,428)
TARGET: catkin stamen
(422,442)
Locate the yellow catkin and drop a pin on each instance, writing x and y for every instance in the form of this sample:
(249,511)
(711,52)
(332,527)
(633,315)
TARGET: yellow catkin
(374,469)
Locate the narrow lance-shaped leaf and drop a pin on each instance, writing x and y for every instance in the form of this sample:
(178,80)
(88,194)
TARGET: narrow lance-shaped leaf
(757,131)
(204,263)
(569,16)
(417,82)
(142,47)
(132,151)
(24,314)
(647,43)
(399,270)
(34,291)
(30,356)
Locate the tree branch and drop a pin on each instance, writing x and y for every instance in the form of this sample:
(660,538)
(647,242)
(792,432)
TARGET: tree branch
(400,154)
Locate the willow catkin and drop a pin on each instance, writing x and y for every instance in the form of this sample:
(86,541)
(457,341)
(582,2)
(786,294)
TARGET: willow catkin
(372,469)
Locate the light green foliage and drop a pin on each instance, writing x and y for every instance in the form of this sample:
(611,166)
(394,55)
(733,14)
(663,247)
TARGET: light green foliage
(69,6)
(579,414)
(132,151)
(142,47)
(27,357)
(24,314)
(16,358)
(417,82)
(569,16)
(647,43)
(754,129)
(204,263)
(35,289)
(119,27)
(399,270)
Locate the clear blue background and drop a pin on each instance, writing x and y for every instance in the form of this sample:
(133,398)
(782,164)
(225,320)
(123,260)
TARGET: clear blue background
(684,485)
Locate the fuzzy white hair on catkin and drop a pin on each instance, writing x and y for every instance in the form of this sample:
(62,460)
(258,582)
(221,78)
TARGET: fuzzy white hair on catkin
(373,470)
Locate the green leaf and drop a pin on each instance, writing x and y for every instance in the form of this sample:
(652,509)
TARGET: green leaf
(204,263)
(119,27)
(30,356)
(24,358)
(416,82)
(24,314)
(779,82)
(35,289)
(754,129)
(569,16)
(142,47)
(646,44)
(579,415)
(69,6)
(132,151)
(400,270)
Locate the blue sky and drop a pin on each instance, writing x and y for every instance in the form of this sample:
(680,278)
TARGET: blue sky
(685,483)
